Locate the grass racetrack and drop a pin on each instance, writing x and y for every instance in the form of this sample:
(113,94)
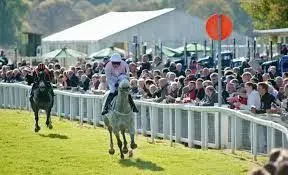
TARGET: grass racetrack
(73,149)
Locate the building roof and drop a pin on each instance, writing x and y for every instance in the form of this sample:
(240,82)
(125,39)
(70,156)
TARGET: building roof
(105,25)
(271,32)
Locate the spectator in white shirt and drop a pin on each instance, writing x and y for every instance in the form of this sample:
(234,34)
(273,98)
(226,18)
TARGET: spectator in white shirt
(254,99)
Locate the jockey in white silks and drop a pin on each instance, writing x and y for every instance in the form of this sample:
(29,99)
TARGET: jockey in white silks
(116,70)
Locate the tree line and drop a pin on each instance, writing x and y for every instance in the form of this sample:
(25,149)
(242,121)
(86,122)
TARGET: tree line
(50,16)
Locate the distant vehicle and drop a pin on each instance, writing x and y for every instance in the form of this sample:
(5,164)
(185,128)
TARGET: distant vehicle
(237,62)
(227,57)
(267,64)
(206,62)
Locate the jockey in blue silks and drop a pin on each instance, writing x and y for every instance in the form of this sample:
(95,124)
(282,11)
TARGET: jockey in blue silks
(116,70)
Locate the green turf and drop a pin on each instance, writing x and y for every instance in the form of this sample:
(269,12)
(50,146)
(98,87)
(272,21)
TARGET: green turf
(73,149)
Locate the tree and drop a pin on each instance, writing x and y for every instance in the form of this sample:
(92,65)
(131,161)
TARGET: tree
(205,8)
(267,14)
(53,16)
(11,16)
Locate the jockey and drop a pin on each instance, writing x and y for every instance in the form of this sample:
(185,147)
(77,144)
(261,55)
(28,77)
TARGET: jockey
(116,70)
(41,68)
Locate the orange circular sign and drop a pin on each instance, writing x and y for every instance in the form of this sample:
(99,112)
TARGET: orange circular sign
(212,27)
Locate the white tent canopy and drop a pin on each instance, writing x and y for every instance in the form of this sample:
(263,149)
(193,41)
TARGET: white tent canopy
(105,25)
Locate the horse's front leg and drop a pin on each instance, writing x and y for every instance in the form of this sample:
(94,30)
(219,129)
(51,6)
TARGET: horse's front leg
(48,119)
(36,115)
(133,145)
(119,142)
(111,150)
(125,149)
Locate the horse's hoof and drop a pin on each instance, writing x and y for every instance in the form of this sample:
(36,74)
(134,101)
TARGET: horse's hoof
(50,127)
(130,153)
(122,156)
(125,150)
(37,129)
(133,146)
(111,151)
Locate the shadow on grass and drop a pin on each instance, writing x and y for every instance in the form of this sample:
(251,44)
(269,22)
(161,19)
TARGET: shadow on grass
(141,164)
(55,136)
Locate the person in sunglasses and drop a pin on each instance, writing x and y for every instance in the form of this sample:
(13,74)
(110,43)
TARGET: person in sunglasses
(116,70)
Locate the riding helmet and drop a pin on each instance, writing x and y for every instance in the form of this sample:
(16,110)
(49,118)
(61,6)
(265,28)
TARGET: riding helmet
(41,66)
(115,58)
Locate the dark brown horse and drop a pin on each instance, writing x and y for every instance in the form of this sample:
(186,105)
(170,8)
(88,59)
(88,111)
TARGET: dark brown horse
(42,98)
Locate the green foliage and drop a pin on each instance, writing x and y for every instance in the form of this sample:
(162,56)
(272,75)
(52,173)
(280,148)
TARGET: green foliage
(74,149)
(267,14)
(11,16)
(50,16)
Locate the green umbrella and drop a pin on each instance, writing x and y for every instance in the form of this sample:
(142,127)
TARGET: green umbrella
(64,53)
(167,51)
(107,52)
(192,48)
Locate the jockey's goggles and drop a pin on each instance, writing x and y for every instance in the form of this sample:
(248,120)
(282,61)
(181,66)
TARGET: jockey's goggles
(117,63)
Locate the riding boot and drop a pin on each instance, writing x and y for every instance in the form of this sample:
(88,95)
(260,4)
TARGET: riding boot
(132,104)
(108,101)
(32,90)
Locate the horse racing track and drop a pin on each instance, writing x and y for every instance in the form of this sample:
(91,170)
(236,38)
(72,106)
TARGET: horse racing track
(71,148)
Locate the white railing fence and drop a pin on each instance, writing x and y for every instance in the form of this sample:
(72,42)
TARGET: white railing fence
(212,127)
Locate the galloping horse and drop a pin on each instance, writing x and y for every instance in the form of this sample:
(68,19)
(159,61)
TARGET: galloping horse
(42,99)
(120,119)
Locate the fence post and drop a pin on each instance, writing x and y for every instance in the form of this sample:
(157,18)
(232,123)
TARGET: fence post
(171,126)
(71,108)
(135,116)
(166,123)
(204,130)
(283,140)
(269,139)
(143,119)
(154,123)
(178,127)
(190,128)
(216,127)
(81,109)
(94,112)
(20,98)
(58,105)
(255,140)
(233,133)
(224,122)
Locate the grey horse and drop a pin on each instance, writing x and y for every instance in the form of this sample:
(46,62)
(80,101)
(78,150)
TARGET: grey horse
(120,119)
(42,98)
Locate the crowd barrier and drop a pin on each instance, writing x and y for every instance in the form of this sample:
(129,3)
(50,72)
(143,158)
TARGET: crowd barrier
(207,127)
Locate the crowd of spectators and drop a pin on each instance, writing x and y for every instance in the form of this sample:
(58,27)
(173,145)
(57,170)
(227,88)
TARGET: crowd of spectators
(243,87)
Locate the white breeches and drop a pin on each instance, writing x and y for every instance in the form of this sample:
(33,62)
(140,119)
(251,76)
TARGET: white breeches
(113,80)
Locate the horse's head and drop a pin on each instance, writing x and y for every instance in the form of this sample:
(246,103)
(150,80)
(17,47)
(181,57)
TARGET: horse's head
(42,84)
(124,85)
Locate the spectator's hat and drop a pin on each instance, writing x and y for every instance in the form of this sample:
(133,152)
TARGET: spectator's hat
(26,69)
(115,58)
(95,76)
